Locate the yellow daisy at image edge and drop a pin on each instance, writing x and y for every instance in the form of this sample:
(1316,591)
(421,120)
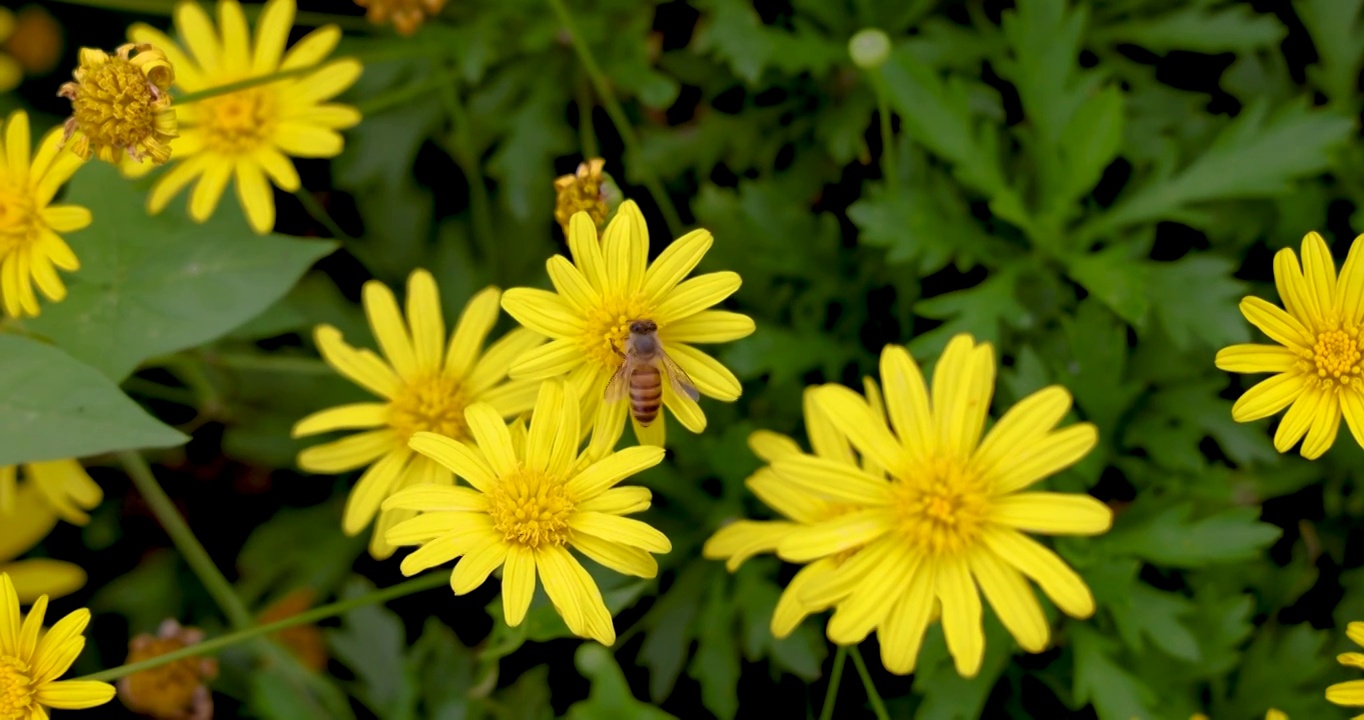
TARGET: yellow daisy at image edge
(31,660)
(1351,692)
(30,521)
(65,486)
(31,248)
(1317,367)
(952,522)
(532,500)
(424,383)
(248,136)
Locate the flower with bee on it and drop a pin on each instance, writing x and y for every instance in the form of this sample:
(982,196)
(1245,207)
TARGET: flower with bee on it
(120,104)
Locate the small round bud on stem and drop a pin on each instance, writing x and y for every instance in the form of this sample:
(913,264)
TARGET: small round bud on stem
(870,49)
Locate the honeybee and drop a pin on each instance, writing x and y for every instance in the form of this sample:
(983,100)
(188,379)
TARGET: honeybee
(641,373)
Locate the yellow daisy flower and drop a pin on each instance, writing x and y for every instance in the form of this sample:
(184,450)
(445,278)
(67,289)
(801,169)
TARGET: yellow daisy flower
(742,539)
(30,248)
(530,502)
(31,661)
(1350,693)
(611,284)
(249,134)
(950,522)
(120,104)
(64,485)
(1317,361)
(30,522)
(1271,714)
(425,385)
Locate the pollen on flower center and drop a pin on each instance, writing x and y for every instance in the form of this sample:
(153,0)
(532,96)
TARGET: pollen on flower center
(119,104)
(531,509)
(434,404)
(608,327)
(238,123)
(942,508)
(1336,356)
(16,689)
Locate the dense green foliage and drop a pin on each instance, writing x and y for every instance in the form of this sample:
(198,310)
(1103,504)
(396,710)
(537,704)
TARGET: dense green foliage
(1091,187)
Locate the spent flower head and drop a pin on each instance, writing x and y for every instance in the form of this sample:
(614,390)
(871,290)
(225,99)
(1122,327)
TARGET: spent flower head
(607,288)
(31,660)
(248,136)
(943,514)
(1317,364)
(406,15)
(534,497)
(120,104)
(176,690)
(588,190)
(31,250)
(424,385)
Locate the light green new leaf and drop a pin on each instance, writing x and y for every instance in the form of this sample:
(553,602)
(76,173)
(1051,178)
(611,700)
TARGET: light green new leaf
(1256,155)
(1234,27)
(1173,539)
(54,407)
(154,285)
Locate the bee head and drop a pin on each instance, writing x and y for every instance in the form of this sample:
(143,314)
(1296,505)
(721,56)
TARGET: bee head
(643,327)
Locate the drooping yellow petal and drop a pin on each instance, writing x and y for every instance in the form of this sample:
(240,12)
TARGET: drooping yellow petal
(961,615)
(1012,599)
(1325,427)
(625,531)
(621,558)
(474,568)
(1268,397)
(1057,580)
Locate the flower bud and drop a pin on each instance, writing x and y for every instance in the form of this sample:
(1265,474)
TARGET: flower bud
(869,48)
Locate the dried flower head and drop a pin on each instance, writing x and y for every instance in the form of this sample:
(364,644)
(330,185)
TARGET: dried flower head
(176,690)
(119,104)
(304,641)
(584,191)
(406,15)
(36,43)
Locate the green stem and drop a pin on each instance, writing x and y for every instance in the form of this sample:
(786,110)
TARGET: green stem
(319,213)
(873,697)
(827,712)
(878,85)
(184,540)
(269,363)
(208,647)
(466,157)
(587,134)
(623,128)
(156,391)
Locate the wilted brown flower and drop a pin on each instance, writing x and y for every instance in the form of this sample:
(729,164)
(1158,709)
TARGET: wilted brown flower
(120,103)
(406,15)
(305,641)
(176,690)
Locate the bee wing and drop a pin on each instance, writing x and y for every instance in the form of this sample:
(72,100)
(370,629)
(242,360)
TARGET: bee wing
(619,384)
(678,378)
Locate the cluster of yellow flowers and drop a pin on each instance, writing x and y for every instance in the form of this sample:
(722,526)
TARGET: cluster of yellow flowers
(505,455)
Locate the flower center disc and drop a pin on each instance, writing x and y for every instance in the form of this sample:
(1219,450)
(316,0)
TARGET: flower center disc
(16,690)
(238,123)
(608,327)
(941,510)
(531,509)
(1336,356)
(114,106)
(433,404)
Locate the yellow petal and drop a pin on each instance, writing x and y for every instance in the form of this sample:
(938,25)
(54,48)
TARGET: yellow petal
(306,141)
(962,386)
(1012,599)
(1320,271)
(625,531)
(1052,513)
(625,247)
(605,473)
(1297,296)
(474,568)
(1325,427)
(621,558)
(518,584)
(460,459)
(907,401)
(17,144)
(903,632)
(492,367)
(791,502)
(542,311)
(464,539)
(348,453)
(494,442)
(742,539)
(961,616)
(312,48)
(272,32)
(204,199)
(697,294)
(675,263)
(1268,397)
(376,484)
(1026,423)
(872,600)
(586,250)
(1352,405)
(769,445)
(1350,290)
(236,38)
(826,439)
(1253,358)
(325,83)
(1283,328)
(381,308)
(623,500)
(74,694)
(355,416)
(849,413)
(361,367)
(1298,419)
(256,197)
(1057,580)
(1045,457)
(550,360)
(708,326)
(835,480)
(572,285)
(835,535)
(790,611)
(1348,694)
(437,498)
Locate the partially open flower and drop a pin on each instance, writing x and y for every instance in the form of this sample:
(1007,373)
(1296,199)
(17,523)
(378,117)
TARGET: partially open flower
(120,103)
(406,15)
(176,690)
(589,190)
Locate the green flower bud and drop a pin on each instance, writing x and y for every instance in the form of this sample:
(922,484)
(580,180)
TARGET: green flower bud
(869,49)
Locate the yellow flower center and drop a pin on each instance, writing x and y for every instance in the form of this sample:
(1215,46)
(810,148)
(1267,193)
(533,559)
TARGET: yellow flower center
(941,509)
(16,689)
(117,104)
(433,404)
(19,220)
(238,123)
(608,327)
(1336,357)
(165,691)
(581,192)
(531,509)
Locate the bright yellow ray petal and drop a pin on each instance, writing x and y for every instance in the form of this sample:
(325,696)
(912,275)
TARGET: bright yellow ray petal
(835,480)
(272,32)
(1350,289)
(17,146)
(464,539)
(1045,456)
(374,485)
(907,401)
(361,367)
(196,28)
(1012,599)
(256,196)
(742,539)
(306,141)
(437,498)
(1027,422)
(553,359)
(675,263)
(585,248)
(236,38)
(569,281)
(621,558)
(1268,397)
(41,576)
(347,453)
(710,377)
(1298,298)
(605,473)
(625,247)
(851,415)
(872,600)
(708,326)
(1352,405)
(209,190)
(1348,694)
(494,441)
(826,439)
(59,647)
(312,48)
(324,83)
(74,694)
(381,308)
(1325,427)
(902,634)
(1298,419)
(1052,513)
(1277,324)
(790,611)
(1057,580)
(426,323)
(518,583)
(542,311)
(1254,358)
(835,535)
(769,446)
(1320,272)
(626,531)
(475,567)
(696,294)
(492,367)
(961,615)
(462,460)
(624,500)
(791,502)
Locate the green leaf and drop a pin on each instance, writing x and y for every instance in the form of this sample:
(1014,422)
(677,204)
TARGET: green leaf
(528,697)
(154,285)
(928,224)
(1173,538)
(53,407)
(372,642)
(1097,368)
(611,698)
(671,627)
(445,668)
(1198,28)
(1334,27)
(1258,154)
(1195,298)
(1045,40)
(979,310)
(1157,616)
(1090,142)
(1099,679)
(1117,277)
(716,663)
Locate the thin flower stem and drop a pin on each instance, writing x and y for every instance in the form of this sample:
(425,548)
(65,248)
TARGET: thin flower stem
(634,156)
(195,554)
(209,647)
(320,214)
(873,697)
(827,712)
(878,84)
